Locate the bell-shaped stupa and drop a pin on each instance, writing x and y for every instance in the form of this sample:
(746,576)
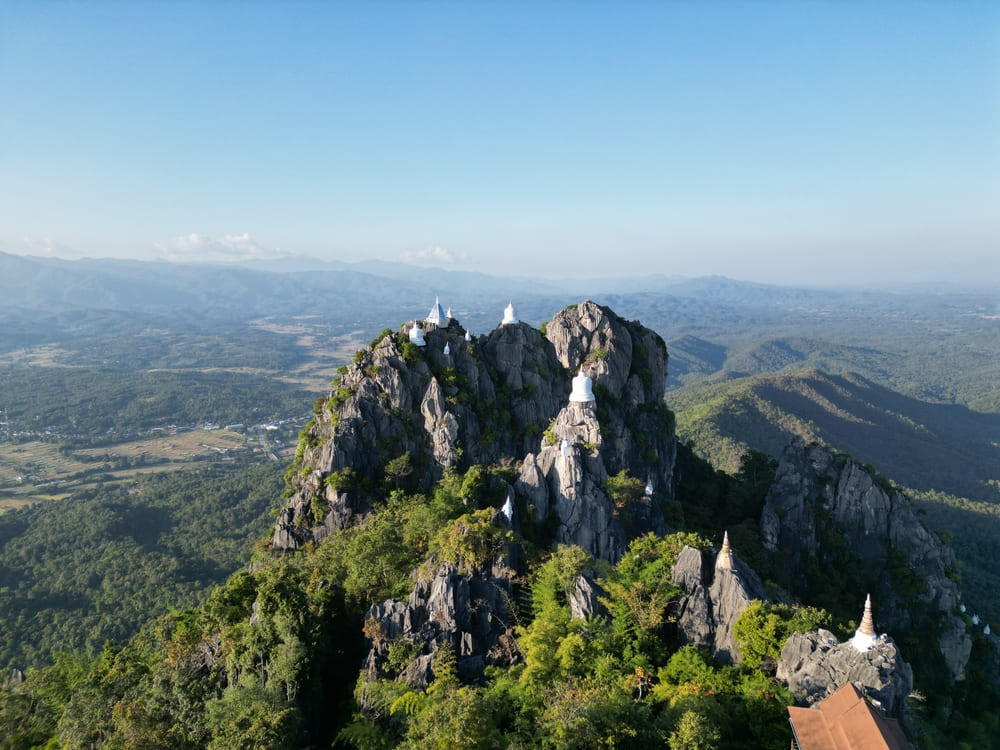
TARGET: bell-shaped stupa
(447,349)
(417,335)
(583,389)
(509,316)
(864,636)
(468,336)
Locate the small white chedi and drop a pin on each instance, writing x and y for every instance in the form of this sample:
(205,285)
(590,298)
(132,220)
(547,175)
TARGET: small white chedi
(583,389)
(417,335)
(509,316)
(864,636)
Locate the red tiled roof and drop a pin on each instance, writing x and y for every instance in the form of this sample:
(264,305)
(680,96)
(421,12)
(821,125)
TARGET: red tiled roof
(845,721)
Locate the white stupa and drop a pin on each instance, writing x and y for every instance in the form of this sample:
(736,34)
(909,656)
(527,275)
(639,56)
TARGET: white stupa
(724,561)
(864,636)
(468,336)
(509,316)
(986,630)
(437,315)
(649,488)
(583,389)
(508,509)
(417,335)
(447,349)
(450,316)
(565,448)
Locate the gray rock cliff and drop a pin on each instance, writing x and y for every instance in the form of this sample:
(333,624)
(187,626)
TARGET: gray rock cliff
(491,399)
(828,508)
(814,666)
(714,597)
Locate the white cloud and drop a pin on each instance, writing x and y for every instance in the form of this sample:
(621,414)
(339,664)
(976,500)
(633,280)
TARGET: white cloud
(230,248)
(39,247)
(432,256)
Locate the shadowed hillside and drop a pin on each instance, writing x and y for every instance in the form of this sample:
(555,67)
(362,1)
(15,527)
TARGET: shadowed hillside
(946,455)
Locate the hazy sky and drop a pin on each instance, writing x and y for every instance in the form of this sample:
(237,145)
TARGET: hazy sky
(774,141)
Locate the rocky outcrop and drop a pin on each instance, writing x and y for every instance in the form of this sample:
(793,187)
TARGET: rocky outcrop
(829,509)
(814,666)
(468,613)
(458,402)
(625,428)
(714,597)
(584,599)
(628,365)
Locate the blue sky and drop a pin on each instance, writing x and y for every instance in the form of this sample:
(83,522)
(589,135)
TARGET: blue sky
(808,142)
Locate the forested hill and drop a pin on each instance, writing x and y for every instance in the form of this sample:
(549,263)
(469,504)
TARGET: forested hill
(495,541)
(918,444)
(946,455)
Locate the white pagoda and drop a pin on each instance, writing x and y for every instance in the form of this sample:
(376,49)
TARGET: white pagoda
(509,316)
(583,389)
(864,636)
(437,315)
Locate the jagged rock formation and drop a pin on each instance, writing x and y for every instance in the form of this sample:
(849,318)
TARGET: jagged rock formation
(490,399)
(814,665)
(715,596)
(587,442)
(469,613)
(822,505)
(584,600)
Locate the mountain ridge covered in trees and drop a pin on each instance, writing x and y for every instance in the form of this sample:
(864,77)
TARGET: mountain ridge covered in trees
(271,658)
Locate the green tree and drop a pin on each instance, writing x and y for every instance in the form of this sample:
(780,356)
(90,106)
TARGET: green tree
(694,732)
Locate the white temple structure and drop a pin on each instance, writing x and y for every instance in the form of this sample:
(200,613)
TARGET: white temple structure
(437,315)
(725,559)
(864,636)
(447,348)
(509,316)
(583,389)
(468,336)
(417,335)
(565,448)
(649,488)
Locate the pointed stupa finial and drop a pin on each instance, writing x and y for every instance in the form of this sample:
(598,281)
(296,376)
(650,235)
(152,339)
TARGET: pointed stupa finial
(468,336)
(447,348)
(583,389)
(509,316)
(725,559)
(864,636)
(417,335)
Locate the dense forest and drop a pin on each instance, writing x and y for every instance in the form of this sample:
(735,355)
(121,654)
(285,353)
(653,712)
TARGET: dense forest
(78,573)
(206,678)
